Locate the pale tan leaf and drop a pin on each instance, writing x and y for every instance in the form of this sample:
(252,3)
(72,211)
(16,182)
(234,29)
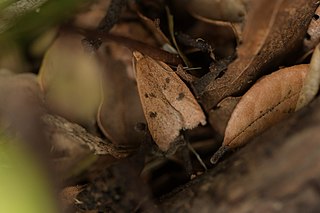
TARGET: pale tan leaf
(268,101)
(311,83)
(167,102)
(70,80)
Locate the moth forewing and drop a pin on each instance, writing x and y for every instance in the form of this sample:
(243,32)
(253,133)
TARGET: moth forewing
(167,102)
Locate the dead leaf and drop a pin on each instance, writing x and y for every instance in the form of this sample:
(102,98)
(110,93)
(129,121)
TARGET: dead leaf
(167,102)
(268,101)
(154,27)
(69,194)
(17,90)
(135,31)
(121,109)
(312,81)
(11,58)
(91,17)
(273,30)
(220,115)
(227,10)
(70,80)
(68,197)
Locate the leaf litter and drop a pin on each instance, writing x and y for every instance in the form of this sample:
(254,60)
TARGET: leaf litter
(243,77)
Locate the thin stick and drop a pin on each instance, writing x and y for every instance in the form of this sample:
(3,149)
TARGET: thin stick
(197,156)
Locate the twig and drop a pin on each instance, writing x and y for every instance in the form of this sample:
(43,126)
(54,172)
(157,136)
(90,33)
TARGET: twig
(79,134)
(112,16)
(133,45)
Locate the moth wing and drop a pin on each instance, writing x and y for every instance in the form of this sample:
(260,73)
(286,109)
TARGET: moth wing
(181,98)
(164,121)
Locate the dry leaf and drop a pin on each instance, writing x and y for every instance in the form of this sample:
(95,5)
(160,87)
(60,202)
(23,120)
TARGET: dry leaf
(311,83)
(167,102)
(154,27)
(19,93)
(68,197)
(90,18)
(121,109)
(274,30)
(132,30)
(220,115)
(69,194)
(226,10)
(268,101)
(70,80)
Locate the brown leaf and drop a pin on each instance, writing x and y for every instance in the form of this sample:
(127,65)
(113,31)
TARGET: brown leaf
(19,93)
(268,101)
(220,115)
(167,102)
(227,10)
(273,30)
(68,197)
(90,18)
(154,27)
(69,194)
(121,109)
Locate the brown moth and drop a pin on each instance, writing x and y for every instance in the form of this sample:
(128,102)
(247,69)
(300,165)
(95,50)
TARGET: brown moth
(267,102)
(167,102)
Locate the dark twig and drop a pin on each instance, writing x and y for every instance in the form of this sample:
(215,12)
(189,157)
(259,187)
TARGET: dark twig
(112,16)
(134,45)
(105,25)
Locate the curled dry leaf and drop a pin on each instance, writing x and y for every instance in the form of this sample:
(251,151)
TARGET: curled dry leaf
(70,80)
(274,29)
(311,83)
(167,102)
(121,109)
(268,101)
(115,119)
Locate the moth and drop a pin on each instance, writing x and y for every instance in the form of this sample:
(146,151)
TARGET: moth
(168,104)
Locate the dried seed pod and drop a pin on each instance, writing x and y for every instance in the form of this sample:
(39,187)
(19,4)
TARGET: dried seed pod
(270,100)
(167,102)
